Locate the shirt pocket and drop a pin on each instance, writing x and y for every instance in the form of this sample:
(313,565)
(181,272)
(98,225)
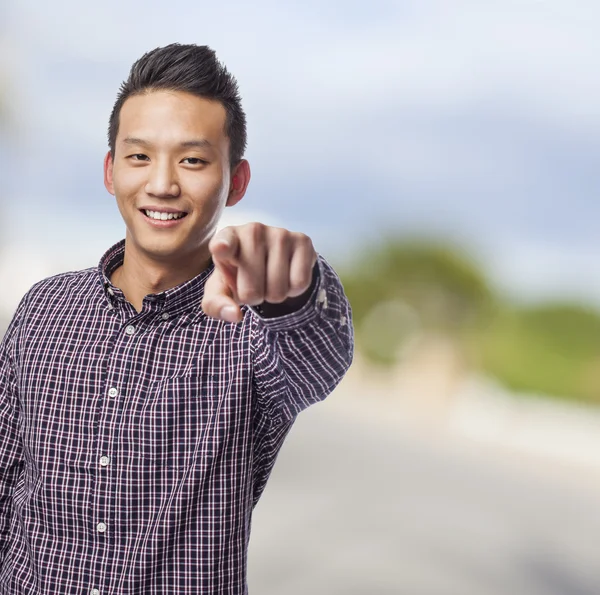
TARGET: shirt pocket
(174,422)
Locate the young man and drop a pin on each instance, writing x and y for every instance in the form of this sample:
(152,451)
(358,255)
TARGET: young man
(143,402)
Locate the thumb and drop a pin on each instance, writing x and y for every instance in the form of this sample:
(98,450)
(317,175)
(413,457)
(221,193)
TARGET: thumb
(218,301)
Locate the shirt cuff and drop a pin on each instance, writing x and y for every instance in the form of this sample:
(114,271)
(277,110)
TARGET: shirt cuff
(295,312)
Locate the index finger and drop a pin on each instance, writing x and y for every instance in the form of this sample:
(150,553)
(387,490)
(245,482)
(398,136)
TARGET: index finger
(218,300)
(224,247)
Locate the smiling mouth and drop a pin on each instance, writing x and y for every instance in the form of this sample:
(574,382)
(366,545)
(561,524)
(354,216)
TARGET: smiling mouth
(158,216)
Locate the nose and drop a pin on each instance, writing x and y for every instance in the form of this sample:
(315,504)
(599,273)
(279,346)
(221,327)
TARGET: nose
(162,181)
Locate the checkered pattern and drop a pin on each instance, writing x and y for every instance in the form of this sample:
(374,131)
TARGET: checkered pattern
(134,445)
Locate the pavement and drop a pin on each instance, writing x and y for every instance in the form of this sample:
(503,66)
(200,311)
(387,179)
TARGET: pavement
(370,498)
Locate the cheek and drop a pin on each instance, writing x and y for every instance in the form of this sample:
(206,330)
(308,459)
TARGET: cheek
(127,182)
(205,188)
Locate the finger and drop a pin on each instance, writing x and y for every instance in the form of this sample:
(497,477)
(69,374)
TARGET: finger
(278,265)
(251,273)
(224,247)
(218,301)
(302,263)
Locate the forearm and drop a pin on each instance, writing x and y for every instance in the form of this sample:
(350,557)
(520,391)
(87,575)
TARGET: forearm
(301,356)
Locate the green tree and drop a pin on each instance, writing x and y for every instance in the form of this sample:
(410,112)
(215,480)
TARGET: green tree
(551,349)
(399,289)
(426,286)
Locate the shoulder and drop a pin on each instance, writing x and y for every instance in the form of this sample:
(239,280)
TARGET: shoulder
(71,281)
(56,291)
(47,298)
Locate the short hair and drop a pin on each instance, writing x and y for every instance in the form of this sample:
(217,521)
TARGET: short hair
(192,69)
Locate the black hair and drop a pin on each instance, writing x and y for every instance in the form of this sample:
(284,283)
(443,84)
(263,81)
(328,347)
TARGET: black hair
(192,69)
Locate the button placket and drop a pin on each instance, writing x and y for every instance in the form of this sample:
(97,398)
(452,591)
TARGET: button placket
(103,459)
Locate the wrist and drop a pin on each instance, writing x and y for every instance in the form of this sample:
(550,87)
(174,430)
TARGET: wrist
(290,305)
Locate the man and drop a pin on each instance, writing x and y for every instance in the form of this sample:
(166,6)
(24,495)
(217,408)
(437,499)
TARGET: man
(143,402)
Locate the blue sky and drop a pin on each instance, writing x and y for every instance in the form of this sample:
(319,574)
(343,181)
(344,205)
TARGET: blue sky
(477,121)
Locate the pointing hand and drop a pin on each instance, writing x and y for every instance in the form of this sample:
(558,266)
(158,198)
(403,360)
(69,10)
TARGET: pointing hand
(255,263)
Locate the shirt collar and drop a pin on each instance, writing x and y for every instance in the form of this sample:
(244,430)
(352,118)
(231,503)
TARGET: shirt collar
(182,298)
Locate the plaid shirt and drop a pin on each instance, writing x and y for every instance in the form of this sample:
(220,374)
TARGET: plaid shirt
(135,445)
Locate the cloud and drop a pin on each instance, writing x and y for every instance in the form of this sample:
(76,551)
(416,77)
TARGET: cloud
(469,116)
(442,56)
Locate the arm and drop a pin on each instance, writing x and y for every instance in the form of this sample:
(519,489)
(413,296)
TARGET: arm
(300,357)
(11,452)
(301,329)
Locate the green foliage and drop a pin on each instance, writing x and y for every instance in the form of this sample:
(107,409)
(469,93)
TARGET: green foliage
(424,286)
(551,349)
(398,289)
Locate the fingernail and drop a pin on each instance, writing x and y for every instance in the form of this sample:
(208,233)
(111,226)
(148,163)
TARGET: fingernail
(230,313)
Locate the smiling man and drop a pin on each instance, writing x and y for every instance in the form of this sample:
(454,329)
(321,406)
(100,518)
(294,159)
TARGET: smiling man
(143,402)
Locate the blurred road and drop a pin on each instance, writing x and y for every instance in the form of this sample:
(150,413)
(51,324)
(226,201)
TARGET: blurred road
(357,508)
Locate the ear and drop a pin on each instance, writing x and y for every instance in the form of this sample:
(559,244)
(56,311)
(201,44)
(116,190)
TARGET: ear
(240,178)
(108,173)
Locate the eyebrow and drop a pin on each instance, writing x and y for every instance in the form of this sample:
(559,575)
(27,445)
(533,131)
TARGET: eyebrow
(201,143)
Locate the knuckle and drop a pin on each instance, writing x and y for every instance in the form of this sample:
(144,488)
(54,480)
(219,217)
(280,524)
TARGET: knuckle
(276,298)
(280,236)
(302,239)
(213,242)
(250,296)
(301,279)
(278,288)
(277,294)
(224,233)
(300,283)
(208,304)
(256,231)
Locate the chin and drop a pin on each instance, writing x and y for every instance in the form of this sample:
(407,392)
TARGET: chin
(169,248)
(156,247)
(165,252)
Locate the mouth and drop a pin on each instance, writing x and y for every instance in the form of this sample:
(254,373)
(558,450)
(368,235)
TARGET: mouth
(163,216)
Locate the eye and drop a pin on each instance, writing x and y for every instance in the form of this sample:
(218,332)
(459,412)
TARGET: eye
(194,161)
(138,157)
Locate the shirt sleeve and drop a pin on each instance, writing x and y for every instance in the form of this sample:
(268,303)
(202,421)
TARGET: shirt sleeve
(11,452)
(299,358)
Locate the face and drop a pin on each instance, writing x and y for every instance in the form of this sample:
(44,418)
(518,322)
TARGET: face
(171,174)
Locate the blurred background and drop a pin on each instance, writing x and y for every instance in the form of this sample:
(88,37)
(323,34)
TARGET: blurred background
(443,156)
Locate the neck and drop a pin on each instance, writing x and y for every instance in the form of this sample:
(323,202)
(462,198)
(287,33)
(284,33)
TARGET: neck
(141,275)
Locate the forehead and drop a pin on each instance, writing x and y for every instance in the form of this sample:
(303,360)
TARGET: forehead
(172,116)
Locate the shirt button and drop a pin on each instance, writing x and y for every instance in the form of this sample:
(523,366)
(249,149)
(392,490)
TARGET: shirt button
(113,392)
(94,592)
(101,527)
(322,297)
(130,329)
(165,316)
(104,461)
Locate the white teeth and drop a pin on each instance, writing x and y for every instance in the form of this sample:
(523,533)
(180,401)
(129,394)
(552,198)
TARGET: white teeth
(163,216)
